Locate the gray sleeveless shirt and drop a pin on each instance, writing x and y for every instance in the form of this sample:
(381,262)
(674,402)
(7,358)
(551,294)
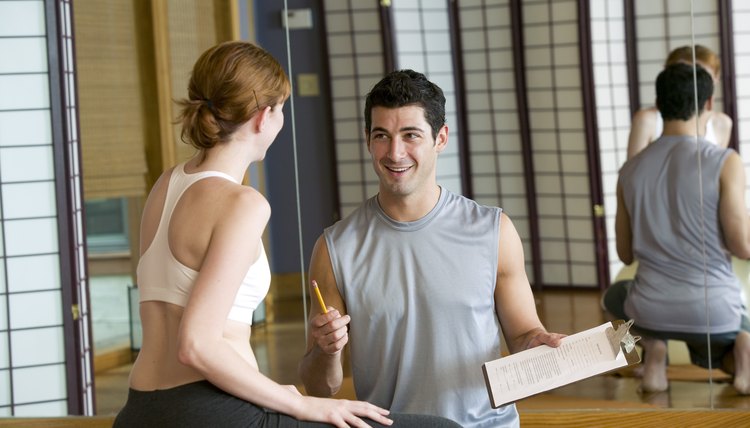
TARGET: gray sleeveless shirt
(420,295)
(662,195)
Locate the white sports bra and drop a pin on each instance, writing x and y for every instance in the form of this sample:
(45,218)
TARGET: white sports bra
(710,132)
(162,277)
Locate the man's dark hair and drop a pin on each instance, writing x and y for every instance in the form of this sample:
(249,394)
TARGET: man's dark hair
(675,97)
(403,88)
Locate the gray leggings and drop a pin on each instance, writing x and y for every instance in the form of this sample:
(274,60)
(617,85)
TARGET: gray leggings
(201,404)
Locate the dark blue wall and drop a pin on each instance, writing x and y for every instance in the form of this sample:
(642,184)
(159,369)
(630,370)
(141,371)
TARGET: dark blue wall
(315,156)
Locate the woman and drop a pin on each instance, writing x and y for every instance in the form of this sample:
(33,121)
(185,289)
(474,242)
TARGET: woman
(647,123)
(203,269)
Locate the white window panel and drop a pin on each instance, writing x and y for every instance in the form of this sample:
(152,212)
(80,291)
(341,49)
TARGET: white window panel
(37,346)
(581,229)
(33,273)
(4,378)
(412,61)
(48,409)
(37,309)
(340,44)
(512,183)
(554,273)
(29,200)
(555,250)
(366,21)
(29,55)
(349,130)
(582,275)
(26,237)
(549,206)
(535,13)
(440,63)
(26,164)
(649,7)
(347,109)
(31,127)
(25,91)
(337,5)
(22,18)
(370,63)
(549,185)
(406,20)
(436,20)
(516,207)
(367,43)
(447,165)
(536,35)
(440,42)
(483,163)
(487,185)
(452,184)
(341,66)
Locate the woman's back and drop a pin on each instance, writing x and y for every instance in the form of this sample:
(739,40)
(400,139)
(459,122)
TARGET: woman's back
(187,227)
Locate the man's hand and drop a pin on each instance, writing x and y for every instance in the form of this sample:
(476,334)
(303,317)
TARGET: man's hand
(330,331)
(541,337)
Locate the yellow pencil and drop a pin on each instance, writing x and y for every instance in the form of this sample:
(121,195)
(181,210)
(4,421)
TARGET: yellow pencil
(320,298)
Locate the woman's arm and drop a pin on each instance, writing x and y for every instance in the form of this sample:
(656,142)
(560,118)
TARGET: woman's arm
(234,246)
(641,130)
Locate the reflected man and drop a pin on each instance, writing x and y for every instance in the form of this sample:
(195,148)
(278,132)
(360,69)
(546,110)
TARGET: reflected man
(681,213)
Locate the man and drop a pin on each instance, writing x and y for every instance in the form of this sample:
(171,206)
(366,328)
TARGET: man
(421,278)
(681,212)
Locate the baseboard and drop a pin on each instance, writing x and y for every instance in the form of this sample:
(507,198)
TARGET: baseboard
(110,359)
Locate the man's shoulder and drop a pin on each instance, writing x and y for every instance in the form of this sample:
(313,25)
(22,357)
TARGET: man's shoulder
(454,200)
(353,219)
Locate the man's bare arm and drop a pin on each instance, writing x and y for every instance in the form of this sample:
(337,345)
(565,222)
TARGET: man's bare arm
(514,300)
(733,215)
(321,368)
(623,231)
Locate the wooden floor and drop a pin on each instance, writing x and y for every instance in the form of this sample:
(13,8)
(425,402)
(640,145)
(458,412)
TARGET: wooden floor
(278,347)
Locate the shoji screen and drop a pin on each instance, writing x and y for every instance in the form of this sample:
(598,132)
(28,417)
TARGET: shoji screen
(664,25)
(422,33)
(741,15)
(355,55)
(561,171)
(613,106)
(497,160)
(552,99)
(45,354)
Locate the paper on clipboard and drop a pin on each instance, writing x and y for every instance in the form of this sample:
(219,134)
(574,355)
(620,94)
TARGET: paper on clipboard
(591,352)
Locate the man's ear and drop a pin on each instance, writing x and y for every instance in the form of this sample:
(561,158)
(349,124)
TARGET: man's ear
(442,139)
(367,140)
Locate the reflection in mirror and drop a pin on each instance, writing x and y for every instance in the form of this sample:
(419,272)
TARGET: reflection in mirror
(540,99)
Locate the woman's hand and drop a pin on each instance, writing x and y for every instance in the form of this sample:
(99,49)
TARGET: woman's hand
(343,413)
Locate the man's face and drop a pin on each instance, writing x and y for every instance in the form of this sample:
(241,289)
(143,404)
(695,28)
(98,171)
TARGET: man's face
(403,150)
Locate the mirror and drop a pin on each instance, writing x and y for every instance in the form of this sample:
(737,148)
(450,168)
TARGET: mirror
(555,123)
(318,169)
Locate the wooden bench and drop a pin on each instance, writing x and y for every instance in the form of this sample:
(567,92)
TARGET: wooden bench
(60,422)
(622,418)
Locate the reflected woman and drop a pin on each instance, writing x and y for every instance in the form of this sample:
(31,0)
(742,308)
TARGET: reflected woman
(647,124)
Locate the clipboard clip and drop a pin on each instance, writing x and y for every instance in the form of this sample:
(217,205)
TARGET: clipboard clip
(621,337)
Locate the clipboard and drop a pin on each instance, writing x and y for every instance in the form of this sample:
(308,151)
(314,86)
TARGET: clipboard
(595,351)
